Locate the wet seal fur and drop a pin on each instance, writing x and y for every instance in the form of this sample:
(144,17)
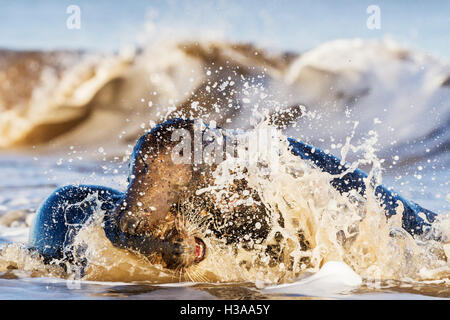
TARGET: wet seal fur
(149,218)
(161,192)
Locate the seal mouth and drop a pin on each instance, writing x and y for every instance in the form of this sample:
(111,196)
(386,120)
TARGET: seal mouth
(200,250)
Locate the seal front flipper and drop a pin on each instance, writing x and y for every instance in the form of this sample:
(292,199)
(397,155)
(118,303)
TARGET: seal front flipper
(155,180)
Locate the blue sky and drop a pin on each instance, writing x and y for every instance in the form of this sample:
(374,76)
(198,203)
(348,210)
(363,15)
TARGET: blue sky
(293,25)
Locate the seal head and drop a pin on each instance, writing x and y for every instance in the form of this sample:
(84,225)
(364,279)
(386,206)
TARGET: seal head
(161,192)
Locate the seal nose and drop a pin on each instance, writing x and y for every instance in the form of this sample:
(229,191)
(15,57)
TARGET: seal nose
(179,250)
(200,250)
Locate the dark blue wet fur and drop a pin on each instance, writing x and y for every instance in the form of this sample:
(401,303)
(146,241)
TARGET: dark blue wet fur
(411,221)
(64,212)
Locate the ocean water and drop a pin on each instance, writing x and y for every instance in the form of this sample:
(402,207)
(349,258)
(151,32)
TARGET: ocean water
(72,117)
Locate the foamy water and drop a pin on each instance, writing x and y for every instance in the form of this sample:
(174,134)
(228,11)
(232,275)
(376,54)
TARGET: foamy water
(374,103)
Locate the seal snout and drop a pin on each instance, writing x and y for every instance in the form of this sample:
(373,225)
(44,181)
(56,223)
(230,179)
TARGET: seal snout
(200,250)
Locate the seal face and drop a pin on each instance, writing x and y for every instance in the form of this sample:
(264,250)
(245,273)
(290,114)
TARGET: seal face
(162,201)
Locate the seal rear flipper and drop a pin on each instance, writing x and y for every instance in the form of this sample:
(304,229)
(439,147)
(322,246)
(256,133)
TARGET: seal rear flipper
(412,221)
(61,216)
